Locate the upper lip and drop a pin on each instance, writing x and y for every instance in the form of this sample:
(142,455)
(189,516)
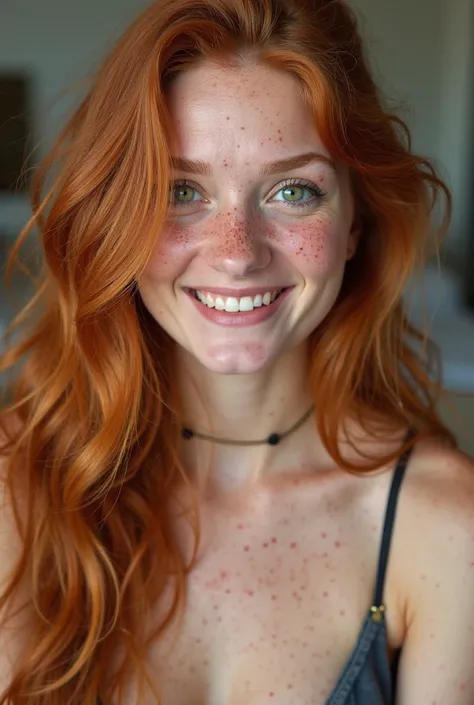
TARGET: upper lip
(238,293)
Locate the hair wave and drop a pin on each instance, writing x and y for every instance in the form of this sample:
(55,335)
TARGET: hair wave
(94,449)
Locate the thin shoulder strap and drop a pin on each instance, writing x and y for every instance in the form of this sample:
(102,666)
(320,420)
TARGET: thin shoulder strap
(390,512)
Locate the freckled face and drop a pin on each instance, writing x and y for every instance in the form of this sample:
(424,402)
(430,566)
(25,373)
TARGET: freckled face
(242,225)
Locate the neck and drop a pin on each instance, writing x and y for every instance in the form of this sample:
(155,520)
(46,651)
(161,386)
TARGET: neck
(244,408)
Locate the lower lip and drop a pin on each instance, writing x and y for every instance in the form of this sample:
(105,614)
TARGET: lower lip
(243,318)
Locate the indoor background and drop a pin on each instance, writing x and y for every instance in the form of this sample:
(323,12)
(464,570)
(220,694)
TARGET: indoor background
(423,54)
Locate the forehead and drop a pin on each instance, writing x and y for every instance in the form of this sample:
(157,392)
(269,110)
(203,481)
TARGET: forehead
(249,112)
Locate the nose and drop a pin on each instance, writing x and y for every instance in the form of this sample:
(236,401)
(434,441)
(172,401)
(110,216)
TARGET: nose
(238,247)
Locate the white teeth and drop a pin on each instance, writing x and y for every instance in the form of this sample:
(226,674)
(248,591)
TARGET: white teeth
(231,304)
(246,303)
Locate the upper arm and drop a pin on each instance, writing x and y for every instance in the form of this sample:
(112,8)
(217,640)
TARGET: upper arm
(437,661)
(12,631)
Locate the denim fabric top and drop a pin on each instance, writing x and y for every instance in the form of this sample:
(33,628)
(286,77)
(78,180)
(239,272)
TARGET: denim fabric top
(368,678)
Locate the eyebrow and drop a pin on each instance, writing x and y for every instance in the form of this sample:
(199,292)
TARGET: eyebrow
(200,168)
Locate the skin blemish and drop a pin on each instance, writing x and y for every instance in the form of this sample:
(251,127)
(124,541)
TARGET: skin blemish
(274,597)
(246,548)
(274,540)
(337,544)
(325,594)
(266,544)
(323,534)
(293,544)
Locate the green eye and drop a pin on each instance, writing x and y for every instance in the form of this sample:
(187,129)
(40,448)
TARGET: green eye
(293,193)
(183,193)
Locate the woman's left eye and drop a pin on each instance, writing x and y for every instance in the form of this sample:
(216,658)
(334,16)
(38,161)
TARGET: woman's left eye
(298,193)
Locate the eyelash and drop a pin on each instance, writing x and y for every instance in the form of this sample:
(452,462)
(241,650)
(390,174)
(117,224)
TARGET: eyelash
(319,194)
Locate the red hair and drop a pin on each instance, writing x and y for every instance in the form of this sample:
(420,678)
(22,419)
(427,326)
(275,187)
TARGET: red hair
(96,441)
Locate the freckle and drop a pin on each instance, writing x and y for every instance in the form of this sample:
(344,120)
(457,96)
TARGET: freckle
(337,544)
(250,593)
(342,613)
(274,540)
(198,640)
(224,575)
(437,585)
(292,656)
(431,636)
(325,594)
(216,607)
(239,526)
(323,534)
(204,621)
(274,597)
(265,545)
(227,118)
(289,686)
(293,544)
(305,644)
(219,619)
(271,694)
(206,663)
(228,591)
(463,686)
(246,548)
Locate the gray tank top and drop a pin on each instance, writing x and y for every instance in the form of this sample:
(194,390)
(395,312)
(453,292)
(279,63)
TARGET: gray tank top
(368,678)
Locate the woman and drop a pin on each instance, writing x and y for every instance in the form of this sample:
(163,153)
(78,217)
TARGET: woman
(221,393)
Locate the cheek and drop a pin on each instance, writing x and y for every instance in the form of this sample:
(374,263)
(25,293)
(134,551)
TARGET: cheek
(315,246)
(170,255)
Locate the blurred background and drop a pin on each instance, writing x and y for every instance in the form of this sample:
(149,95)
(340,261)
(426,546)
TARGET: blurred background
(422,54)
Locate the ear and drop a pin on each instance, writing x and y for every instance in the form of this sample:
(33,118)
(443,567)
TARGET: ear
(354,237)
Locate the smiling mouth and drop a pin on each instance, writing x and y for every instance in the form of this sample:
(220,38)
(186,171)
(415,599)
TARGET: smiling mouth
(233,304)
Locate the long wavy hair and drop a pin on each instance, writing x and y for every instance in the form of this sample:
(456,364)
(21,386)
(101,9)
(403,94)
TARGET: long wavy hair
(91,458)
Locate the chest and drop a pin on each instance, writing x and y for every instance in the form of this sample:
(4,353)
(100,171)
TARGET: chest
(275,603)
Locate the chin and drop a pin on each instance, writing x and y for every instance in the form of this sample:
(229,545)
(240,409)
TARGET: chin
(222,359)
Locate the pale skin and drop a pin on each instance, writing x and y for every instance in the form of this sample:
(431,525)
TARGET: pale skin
(289,541)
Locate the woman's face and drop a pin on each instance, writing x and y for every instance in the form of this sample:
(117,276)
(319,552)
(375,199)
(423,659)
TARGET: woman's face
(260,224)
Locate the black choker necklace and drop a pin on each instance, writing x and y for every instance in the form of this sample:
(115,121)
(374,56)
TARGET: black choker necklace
(272,440)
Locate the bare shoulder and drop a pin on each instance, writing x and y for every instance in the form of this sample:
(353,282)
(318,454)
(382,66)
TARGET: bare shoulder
(439,487)
(435,526)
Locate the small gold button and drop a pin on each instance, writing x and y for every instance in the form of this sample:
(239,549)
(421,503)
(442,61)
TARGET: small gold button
(377,613)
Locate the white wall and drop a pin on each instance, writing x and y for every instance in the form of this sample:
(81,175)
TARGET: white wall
(419,48)
(57,42)
(423,52)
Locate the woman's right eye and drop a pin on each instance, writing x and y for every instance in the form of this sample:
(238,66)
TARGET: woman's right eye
(183,194)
